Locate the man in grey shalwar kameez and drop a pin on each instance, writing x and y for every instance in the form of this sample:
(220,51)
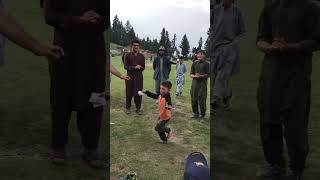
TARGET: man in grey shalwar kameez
(227,28)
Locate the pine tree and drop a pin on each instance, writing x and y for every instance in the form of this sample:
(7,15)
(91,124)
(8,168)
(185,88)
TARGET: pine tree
(173,44)
(169,50)
(143,42)
(208,45)
(185,46)
(194,50)
(115,35)
(162,41)
(131,35)
(123,41)
(128,27)
(155,45)
(200,44)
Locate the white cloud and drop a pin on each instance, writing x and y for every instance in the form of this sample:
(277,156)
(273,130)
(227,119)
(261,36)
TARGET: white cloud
(189,17)
(135,8)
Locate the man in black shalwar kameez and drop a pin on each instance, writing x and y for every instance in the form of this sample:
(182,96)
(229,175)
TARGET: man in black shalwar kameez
(78,28)
(134,64)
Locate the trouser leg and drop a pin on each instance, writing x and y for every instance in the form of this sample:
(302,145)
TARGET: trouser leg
(89,125)
(272,143)
(195,106)
(296,126)
(138,101)
(203,104)
(162,130)
(60,125)
(128,102)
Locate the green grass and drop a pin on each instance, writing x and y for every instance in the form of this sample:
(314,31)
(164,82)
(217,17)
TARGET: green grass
(25,113)
(237,150)
(134,143)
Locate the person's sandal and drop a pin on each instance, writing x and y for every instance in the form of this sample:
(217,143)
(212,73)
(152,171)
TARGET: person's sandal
(58,158)
(92,160)
(139,112)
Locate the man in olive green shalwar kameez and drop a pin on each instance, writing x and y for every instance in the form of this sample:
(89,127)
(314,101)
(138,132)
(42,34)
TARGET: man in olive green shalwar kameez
(200,71)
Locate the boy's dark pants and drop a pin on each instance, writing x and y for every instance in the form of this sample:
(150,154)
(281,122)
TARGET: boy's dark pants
(88,121)
(284,105)
(162,129)
(201,102)
(137,101)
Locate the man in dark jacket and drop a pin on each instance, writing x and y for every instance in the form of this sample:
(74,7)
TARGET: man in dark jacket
(289,33)
(162,68)
(78,28)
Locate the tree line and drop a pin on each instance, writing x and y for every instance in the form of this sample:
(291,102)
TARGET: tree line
(124,34)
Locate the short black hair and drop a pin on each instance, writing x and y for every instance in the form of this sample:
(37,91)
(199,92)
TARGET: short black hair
(167,84)
(135,41)
(201,51)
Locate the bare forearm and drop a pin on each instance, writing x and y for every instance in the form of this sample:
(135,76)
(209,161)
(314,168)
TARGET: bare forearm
(14,32)
(115,72)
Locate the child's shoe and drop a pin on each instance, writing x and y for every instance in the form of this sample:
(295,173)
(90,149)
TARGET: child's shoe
(163,142)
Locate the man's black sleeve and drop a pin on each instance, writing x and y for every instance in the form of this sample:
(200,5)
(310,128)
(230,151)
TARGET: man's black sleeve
(264,26)
(312,42)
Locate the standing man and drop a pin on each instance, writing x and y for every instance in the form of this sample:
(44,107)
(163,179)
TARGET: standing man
(181,69)
(289,33)
(200,71)
(162,68)
(134,64)
(227,29)
(78,28)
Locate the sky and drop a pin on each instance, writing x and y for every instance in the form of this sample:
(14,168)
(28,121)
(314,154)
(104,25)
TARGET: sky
(148,17)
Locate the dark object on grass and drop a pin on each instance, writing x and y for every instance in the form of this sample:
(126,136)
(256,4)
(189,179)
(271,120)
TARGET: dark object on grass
(196,167)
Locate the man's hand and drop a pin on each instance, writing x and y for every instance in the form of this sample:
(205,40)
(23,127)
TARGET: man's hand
(198,75)
(49,51)
(90,17)
(278,45)
(284,47)
(127,78)
(138,67)
(195,76)
(270,49)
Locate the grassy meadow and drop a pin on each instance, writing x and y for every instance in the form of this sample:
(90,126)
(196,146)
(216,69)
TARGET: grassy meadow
(135,146)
